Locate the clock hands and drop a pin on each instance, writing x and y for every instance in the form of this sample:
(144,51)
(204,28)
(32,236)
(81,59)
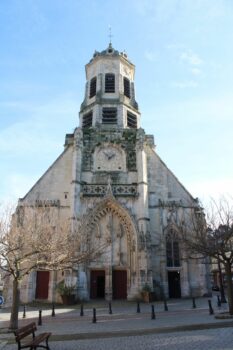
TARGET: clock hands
(109,154)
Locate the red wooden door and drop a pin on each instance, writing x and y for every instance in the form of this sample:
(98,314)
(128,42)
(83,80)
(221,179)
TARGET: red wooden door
(119,284)
(42,285)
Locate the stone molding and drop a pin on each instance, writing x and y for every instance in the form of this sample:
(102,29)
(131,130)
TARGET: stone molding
(117,190)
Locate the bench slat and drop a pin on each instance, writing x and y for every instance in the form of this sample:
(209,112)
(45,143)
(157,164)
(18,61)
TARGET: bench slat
(25,331)
(37,340)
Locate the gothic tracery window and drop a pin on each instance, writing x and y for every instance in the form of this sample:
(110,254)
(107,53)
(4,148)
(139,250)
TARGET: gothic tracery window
(172,249)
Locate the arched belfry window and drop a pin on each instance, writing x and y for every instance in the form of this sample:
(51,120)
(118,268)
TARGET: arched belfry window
(172,249)
(126,87)
(92,87)
(109,82)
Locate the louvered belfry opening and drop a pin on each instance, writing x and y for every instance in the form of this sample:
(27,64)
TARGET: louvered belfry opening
(109,115)
(92,87)
(109,82)
(127,87)
(131,120)
(87,120)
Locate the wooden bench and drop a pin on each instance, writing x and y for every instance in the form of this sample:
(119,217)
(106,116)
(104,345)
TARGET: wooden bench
(33,342)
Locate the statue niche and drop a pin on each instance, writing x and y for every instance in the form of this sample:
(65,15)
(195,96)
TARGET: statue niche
(109,232)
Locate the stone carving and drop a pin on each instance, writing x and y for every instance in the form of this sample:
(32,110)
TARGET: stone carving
(142,241)
(98,231)
(172,215)
(108,232)
(78,138)
(101,190)
(140,139)
(121,139)
(131,160)
(47,203)
(148,239)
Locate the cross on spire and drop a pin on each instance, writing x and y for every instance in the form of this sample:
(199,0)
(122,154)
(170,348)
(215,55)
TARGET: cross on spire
(110,34)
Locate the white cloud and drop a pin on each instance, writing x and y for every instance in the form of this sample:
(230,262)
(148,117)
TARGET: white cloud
(195,71)
(151,56)
(174,46)
(184,84)
(191,58)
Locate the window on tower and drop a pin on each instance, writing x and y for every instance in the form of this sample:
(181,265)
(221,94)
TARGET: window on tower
(109,115)
(126,87)
(131,120)
(92,87)
(109,83)
(87,120)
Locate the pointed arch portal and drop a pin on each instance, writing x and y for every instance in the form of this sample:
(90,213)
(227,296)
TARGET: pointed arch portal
(111,224)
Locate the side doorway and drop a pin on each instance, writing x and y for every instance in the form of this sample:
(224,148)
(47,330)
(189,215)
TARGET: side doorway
(97,285)
(174,284)
(119,284)
(42,285)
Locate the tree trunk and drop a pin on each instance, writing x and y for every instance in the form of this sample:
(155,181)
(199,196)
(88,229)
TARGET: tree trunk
(15,305)
(222,292)
(229,286)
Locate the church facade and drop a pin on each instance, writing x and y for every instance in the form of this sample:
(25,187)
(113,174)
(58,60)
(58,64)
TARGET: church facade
(111,179)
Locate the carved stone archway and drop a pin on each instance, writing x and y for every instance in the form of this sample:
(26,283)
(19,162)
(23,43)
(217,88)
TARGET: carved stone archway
(111,223)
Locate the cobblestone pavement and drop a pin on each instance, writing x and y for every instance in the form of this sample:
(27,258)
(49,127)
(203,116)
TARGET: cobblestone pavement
(182,327)
(219,339)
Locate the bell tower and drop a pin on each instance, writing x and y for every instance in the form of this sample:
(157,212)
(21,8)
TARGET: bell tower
(110,95)
(110,157)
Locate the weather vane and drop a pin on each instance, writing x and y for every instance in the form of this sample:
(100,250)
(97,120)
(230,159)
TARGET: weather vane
(110,34)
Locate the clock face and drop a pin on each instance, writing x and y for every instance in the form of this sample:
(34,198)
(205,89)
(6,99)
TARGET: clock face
(109,158)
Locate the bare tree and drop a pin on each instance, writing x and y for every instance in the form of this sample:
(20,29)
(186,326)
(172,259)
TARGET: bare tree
(38,238)
(211,235)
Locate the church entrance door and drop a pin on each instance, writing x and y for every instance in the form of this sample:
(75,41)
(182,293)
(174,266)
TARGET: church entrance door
(174,284)
(119,284)
(42,285)
(97,284)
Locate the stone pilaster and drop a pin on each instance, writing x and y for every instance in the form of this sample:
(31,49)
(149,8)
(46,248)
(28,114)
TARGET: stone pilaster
(76,175)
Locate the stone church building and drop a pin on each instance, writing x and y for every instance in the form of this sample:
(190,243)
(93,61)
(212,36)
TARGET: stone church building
(111,179)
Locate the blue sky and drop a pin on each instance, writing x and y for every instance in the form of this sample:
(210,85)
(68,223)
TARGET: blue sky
(183,54)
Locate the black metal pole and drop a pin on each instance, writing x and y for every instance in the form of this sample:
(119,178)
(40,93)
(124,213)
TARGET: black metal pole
(219,301)
(211,311)
(153,312)
(94,316)
(138,308)
(53,310)
(110,308)
(24,311)
(165,305)
(81,310)
(194,303)
(40,318)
